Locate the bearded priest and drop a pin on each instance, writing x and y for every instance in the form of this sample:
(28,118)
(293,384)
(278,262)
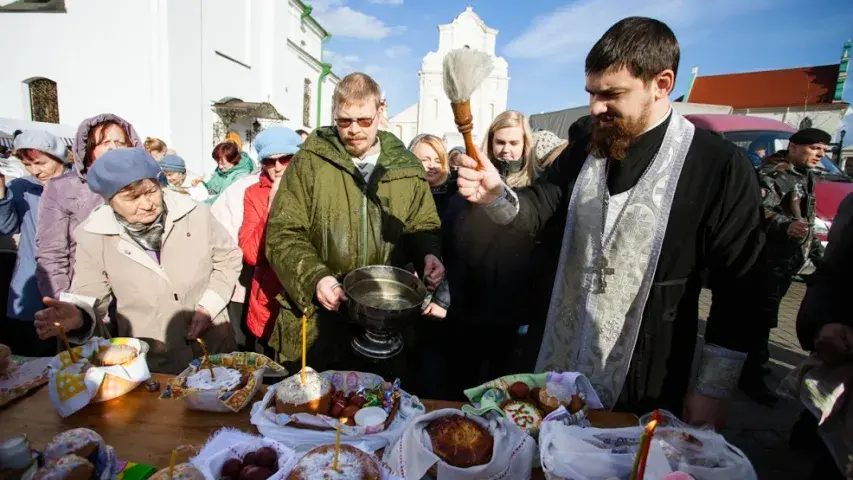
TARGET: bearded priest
(652,207)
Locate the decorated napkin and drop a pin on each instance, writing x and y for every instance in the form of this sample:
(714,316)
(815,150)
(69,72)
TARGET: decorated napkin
(222,391)
(489,396)
(73,385)
(512,453)
(22,376)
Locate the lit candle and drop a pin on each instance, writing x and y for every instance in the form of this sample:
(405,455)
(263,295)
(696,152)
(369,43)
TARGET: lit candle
(64,339)
(172,463)
(206,358)
(305,349)
(639,469)
(338,444)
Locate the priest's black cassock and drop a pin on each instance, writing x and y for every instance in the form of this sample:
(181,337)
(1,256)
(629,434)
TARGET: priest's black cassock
(710,233)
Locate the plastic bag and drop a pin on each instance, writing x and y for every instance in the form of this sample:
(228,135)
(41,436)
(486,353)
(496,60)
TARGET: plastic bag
(702,453)
(577,453)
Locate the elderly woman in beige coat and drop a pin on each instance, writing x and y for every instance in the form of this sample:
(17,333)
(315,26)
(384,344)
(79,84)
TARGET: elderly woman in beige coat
(170,266)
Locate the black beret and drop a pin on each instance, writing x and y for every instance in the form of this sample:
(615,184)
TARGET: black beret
(808,136)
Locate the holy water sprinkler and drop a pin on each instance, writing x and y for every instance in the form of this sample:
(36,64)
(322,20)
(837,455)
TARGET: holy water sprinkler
(464,71)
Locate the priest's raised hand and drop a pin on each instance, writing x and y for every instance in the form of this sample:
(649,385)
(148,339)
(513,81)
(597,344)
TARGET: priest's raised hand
(482,187)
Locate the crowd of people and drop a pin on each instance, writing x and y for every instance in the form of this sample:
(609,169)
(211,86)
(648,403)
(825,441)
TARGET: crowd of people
(583,255)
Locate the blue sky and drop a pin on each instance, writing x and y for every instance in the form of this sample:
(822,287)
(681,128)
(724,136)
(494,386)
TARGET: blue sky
(545,41)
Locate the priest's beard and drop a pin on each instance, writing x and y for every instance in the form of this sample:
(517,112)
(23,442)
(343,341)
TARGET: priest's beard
(613,140)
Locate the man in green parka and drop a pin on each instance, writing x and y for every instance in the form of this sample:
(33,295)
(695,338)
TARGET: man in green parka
(351,197)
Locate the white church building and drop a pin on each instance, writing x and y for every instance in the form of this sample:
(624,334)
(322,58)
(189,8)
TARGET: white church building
(185,71)
(432,113)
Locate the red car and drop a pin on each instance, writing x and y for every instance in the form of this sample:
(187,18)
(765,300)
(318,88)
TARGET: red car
(754,133)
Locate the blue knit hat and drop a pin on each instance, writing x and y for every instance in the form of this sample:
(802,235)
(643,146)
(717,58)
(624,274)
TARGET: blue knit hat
(173,163)
(277,141)
(119,168)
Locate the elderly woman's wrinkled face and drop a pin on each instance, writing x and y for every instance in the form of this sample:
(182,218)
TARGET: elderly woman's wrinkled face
(140,202)
(108,137)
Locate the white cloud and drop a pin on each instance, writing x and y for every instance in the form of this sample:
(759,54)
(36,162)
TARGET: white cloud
(343,21)
(398,51)
(568,32)
(341,64)
(387,2)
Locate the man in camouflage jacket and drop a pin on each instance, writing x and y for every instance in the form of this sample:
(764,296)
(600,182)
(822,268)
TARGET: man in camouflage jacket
(352,196)
(787,187)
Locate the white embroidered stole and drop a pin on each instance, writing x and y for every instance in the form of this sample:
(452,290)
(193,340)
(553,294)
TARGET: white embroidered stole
(595,334)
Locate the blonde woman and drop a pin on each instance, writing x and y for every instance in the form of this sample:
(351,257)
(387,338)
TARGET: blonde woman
(156,147)
(509,145)
(432,153)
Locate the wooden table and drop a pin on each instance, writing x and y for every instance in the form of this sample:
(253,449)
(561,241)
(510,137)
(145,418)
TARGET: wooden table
(144,429)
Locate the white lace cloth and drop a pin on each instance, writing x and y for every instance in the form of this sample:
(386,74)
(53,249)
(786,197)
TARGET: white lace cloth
(512,453)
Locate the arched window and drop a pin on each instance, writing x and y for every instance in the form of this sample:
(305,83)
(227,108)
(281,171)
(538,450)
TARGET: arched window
(43,99)
(399,132)
(806,122)
(306,104)
(435,105)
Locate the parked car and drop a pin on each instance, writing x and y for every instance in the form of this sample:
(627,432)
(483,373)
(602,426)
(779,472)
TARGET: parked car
(754,133)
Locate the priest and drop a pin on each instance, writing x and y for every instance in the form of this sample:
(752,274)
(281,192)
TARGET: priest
(653,208)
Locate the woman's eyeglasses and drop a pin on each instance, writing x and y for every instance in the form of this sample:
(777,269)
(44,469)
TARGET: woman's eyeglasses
(362,122)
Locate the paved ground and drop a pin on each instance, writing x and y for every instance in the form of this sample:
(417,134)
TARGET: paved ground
(761,432)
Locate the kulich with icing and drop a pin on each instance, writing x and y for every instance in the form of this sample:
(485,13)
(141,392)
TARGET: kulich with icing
(78,441)
(460,441)
(523,414)
(314,396)
(108,356)
(353,464)
(69,467)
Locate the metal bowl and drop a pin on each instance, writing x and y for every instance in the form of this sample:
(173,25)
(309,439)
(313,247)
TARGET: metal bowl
(381,297)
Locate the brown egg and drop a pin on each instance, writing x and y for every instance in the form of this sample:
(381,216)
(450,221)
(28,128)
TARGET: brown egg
(349,413)
(358,401)
(249,459)
(576,404)
(534,393)
(266,457)
(246,471)
(519,390)
(337,409)
(231,468)
(259,473)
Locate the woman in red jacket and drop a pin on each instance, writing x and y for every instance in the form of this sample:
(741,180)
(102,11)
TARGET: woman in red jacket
(275,147)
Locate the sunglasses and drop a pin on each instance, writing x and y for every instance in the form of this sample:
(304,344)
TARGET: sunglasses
(282,160)
(362,122)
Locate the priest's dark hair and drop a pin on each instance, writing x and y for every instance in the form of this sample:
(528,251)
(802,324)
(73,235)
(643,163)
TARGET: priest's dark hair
(643,45)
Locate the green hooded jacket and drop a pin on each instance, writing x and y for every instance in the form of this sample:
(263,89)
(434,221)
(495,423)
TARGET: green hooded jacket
(327,221)
(220,180)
